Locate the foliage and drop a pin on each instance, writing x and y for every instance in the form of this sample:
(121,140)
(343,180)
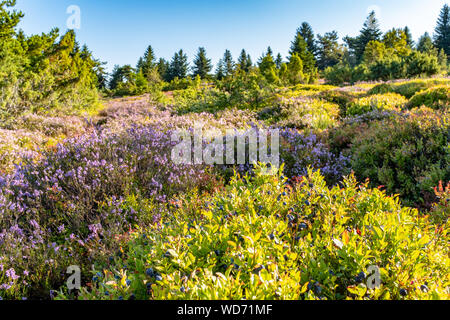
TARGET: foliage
(381,102)
(262,239)
(408,155)
(435,97)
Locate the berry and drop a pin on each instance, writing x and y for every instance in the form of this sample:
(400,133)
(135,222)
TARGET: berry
(302,226)
(132,297)
(150,272)
(158,278)
(217,252)
(424,288)
(307,203)
(120,298)
(403,292)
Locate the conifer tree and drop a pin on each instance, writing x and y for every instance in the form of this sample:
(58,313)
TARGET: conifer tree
(163,69)
(307,33)
(279,61)
(442,31)
(228,63)
(147,63)
(409,38)
(242,61)
(425,44)
(300,47)
(220,72)
(295,70)
(8,19)
(329,51)
(202,65)
(179,66)
(370,32)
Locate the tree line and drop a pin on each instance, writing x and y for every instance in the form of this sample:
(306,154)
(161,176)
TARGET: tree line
(371,55)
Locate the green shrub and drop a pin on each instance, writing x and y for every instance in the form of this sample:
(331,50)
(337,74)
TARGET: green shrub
(408,155)
(408,88)
(261,240)
(388,101)
(436,98)
(308,113)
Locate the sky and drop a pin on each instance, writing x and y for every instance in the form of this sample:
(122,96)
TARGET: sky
(118,31)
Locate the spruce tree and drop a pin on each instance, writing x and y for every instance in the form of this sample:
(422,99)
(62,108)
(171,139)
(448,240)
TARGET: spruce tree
(228,63)
(370,32)
(8,19)
(242,61)
(329,52)
(425,44)
(409,38)
(279,61)
(442,31)
(179,66)
(202,65)
(307,33)
(300,47)
(147,63)
(220,73)
(163,69)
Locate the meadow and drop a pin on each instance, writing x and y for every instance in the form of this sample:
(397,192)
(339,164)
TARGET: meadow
(362,183)
(93,205)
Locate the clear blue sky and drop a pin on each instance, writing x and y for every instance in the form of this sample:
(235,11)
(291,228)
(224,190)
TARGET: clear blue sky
(118,31)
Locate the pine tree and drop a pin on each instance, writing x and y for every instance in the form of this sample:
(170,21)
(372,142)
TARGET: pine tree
(8,20)
(179,66)
(370,32)
(147,63)
(409,38)
(295,69)
(267,67)
(425,44)
(300,47)
(220,73)
(329,52)
(442,31)
(307,33)
(163,69)
(279,61)
(249,62)
(242,61)
(202,65)
(228,63)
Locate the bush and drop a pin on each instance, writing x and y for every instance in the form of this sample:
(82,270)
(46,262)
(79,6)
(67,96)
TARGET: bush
(408,88)
(263,240)
(436,98)
(71,204)
(308,113)
(407,155)
(381,102)
(302,151)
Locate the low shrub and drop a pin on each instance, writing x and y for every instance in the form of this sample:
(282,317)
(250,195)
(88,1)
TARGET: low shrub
(407,155)
(261,239)
(435,97)
(381,102)
(308,113)
(408,88)
(71,204)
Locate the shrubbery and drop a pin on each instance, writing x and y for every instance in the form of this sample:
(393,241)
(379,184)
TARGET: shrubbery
(407,155)
(380,102)
(435,97)
(264,239)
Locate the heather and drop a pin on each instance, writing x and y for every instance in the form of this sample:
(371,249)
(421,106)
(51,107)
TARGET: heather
(90,176)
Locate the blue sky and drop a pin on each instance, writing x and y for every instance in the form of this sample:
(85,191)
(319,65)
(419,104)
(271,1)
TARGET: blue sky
(118,31)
